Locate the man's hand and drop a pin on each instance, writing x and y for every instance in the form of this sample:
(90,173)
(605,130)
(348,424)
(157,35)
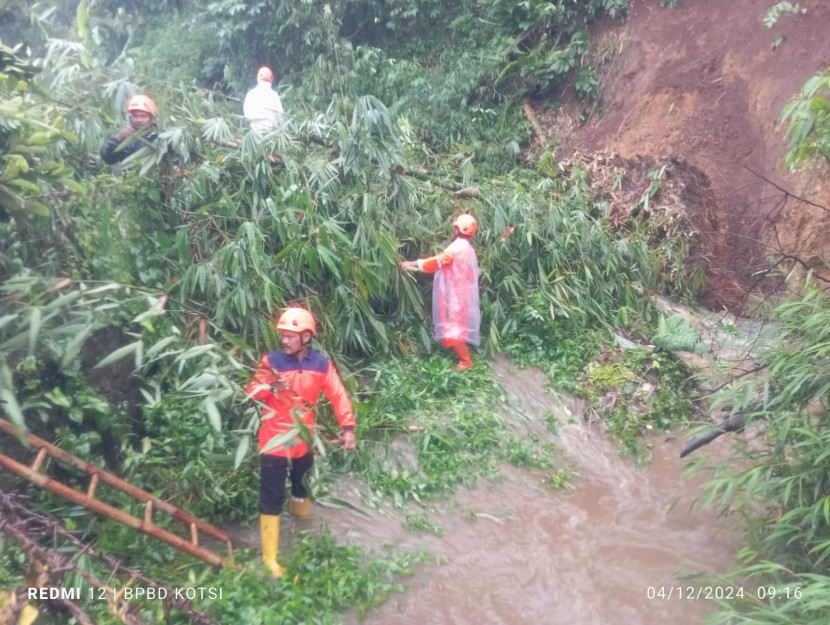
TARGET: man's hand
(349,442)
(409,264)
(280,381)
(125,132)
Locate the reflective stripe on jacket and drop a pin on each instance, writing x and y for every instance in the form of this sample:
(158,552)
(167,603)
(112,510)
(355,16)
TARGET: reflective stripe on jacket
(455,308)
(307,377)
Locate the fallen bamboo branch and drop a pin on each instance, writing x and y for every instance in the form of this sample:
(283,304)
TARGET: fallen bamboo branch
(735,423)
(233,145)
(421,174)
(534,121)
(146,526)
(51,565)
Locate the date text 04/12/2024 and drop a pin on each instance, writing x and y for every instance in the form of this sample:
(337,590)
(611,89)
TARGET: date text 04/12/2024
(693,593)
(128,593)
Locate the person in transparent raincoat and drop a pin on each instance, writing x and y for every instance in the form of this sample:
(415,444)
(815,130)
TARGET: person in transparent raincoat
(455,309)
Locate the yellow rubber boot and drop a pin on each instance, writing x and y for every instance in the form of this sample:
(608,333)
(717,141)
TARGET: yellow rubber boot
(269,532)
(300,507)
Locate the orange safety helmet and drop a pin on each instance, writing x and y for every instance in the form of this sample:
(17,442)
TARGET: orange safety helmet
(466,224)
(265,74)
(143,103)
(296,320)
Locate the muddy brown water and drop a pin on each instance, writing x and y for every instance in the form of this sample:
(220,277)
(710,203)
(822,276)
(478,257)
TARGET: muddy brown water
(513,551)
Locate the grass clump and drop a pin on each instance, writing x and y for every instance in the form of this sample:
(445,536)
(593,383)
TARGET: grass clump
(323,580)
(552,346)
(424,430)
(421,523)
(635,391)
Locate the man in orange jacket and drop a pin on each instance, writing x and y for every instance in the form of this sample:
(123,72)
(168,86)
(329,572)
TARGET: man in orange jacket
(288,383)
(455,311)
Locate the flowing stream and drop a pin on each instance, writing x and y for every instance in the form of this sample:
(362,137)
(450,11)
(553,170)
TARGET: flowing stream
(513,551)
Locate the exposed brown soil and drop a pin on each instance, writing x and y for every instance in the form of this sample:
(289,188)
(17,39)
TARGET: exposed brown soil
(703,84)
(117,384)
(677,209)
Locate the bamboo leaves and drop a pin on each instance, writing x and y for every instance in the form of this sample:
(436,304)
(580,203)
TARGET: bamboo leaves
(792,470)
(213,414)
(808,115)
(136,348)
(7,396)
(242,450)
(31,132)
(216,129)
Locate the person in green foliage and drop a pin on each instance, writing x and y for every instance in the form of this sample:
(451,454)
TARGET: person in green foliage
(143,113)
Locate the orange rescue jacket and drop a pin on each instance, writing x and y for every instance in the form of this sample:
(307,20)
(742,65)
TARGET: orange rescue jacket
(307,377)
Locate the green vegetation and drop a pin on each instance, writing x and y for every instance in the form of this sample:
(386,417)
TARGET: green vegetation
(783,487)
(31,139)
(809,117)
(323,579)
(455,429)
(135,302)
(777,9)
(634,390)
(421,522)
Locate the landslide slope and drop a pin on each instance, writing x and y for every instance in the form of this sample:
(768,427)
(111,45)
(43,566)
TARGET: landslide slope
(704,83)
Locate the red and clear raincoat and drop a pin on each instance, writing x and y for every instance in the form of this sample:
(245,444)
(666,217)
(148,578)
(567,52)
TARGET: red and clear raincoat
(455,310)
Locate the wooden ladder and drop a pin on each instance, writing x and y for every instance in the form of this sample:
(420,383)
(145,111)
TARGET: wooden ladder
(88,500)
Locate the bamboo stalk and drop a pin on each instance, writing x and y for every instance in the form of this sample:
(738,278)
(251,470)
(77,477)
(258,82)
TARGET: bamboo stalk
(109,511)
(534,121)
(90,493)
(115,482)
(38,460)
(148,514)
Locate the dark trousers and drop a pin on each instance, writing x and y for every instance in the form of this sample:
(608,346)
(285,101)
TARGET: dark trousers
(273,471)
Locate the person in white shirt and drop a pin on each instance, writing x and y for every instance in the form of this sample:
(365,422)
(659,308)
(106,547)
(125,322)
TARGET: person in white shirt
(262,105)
